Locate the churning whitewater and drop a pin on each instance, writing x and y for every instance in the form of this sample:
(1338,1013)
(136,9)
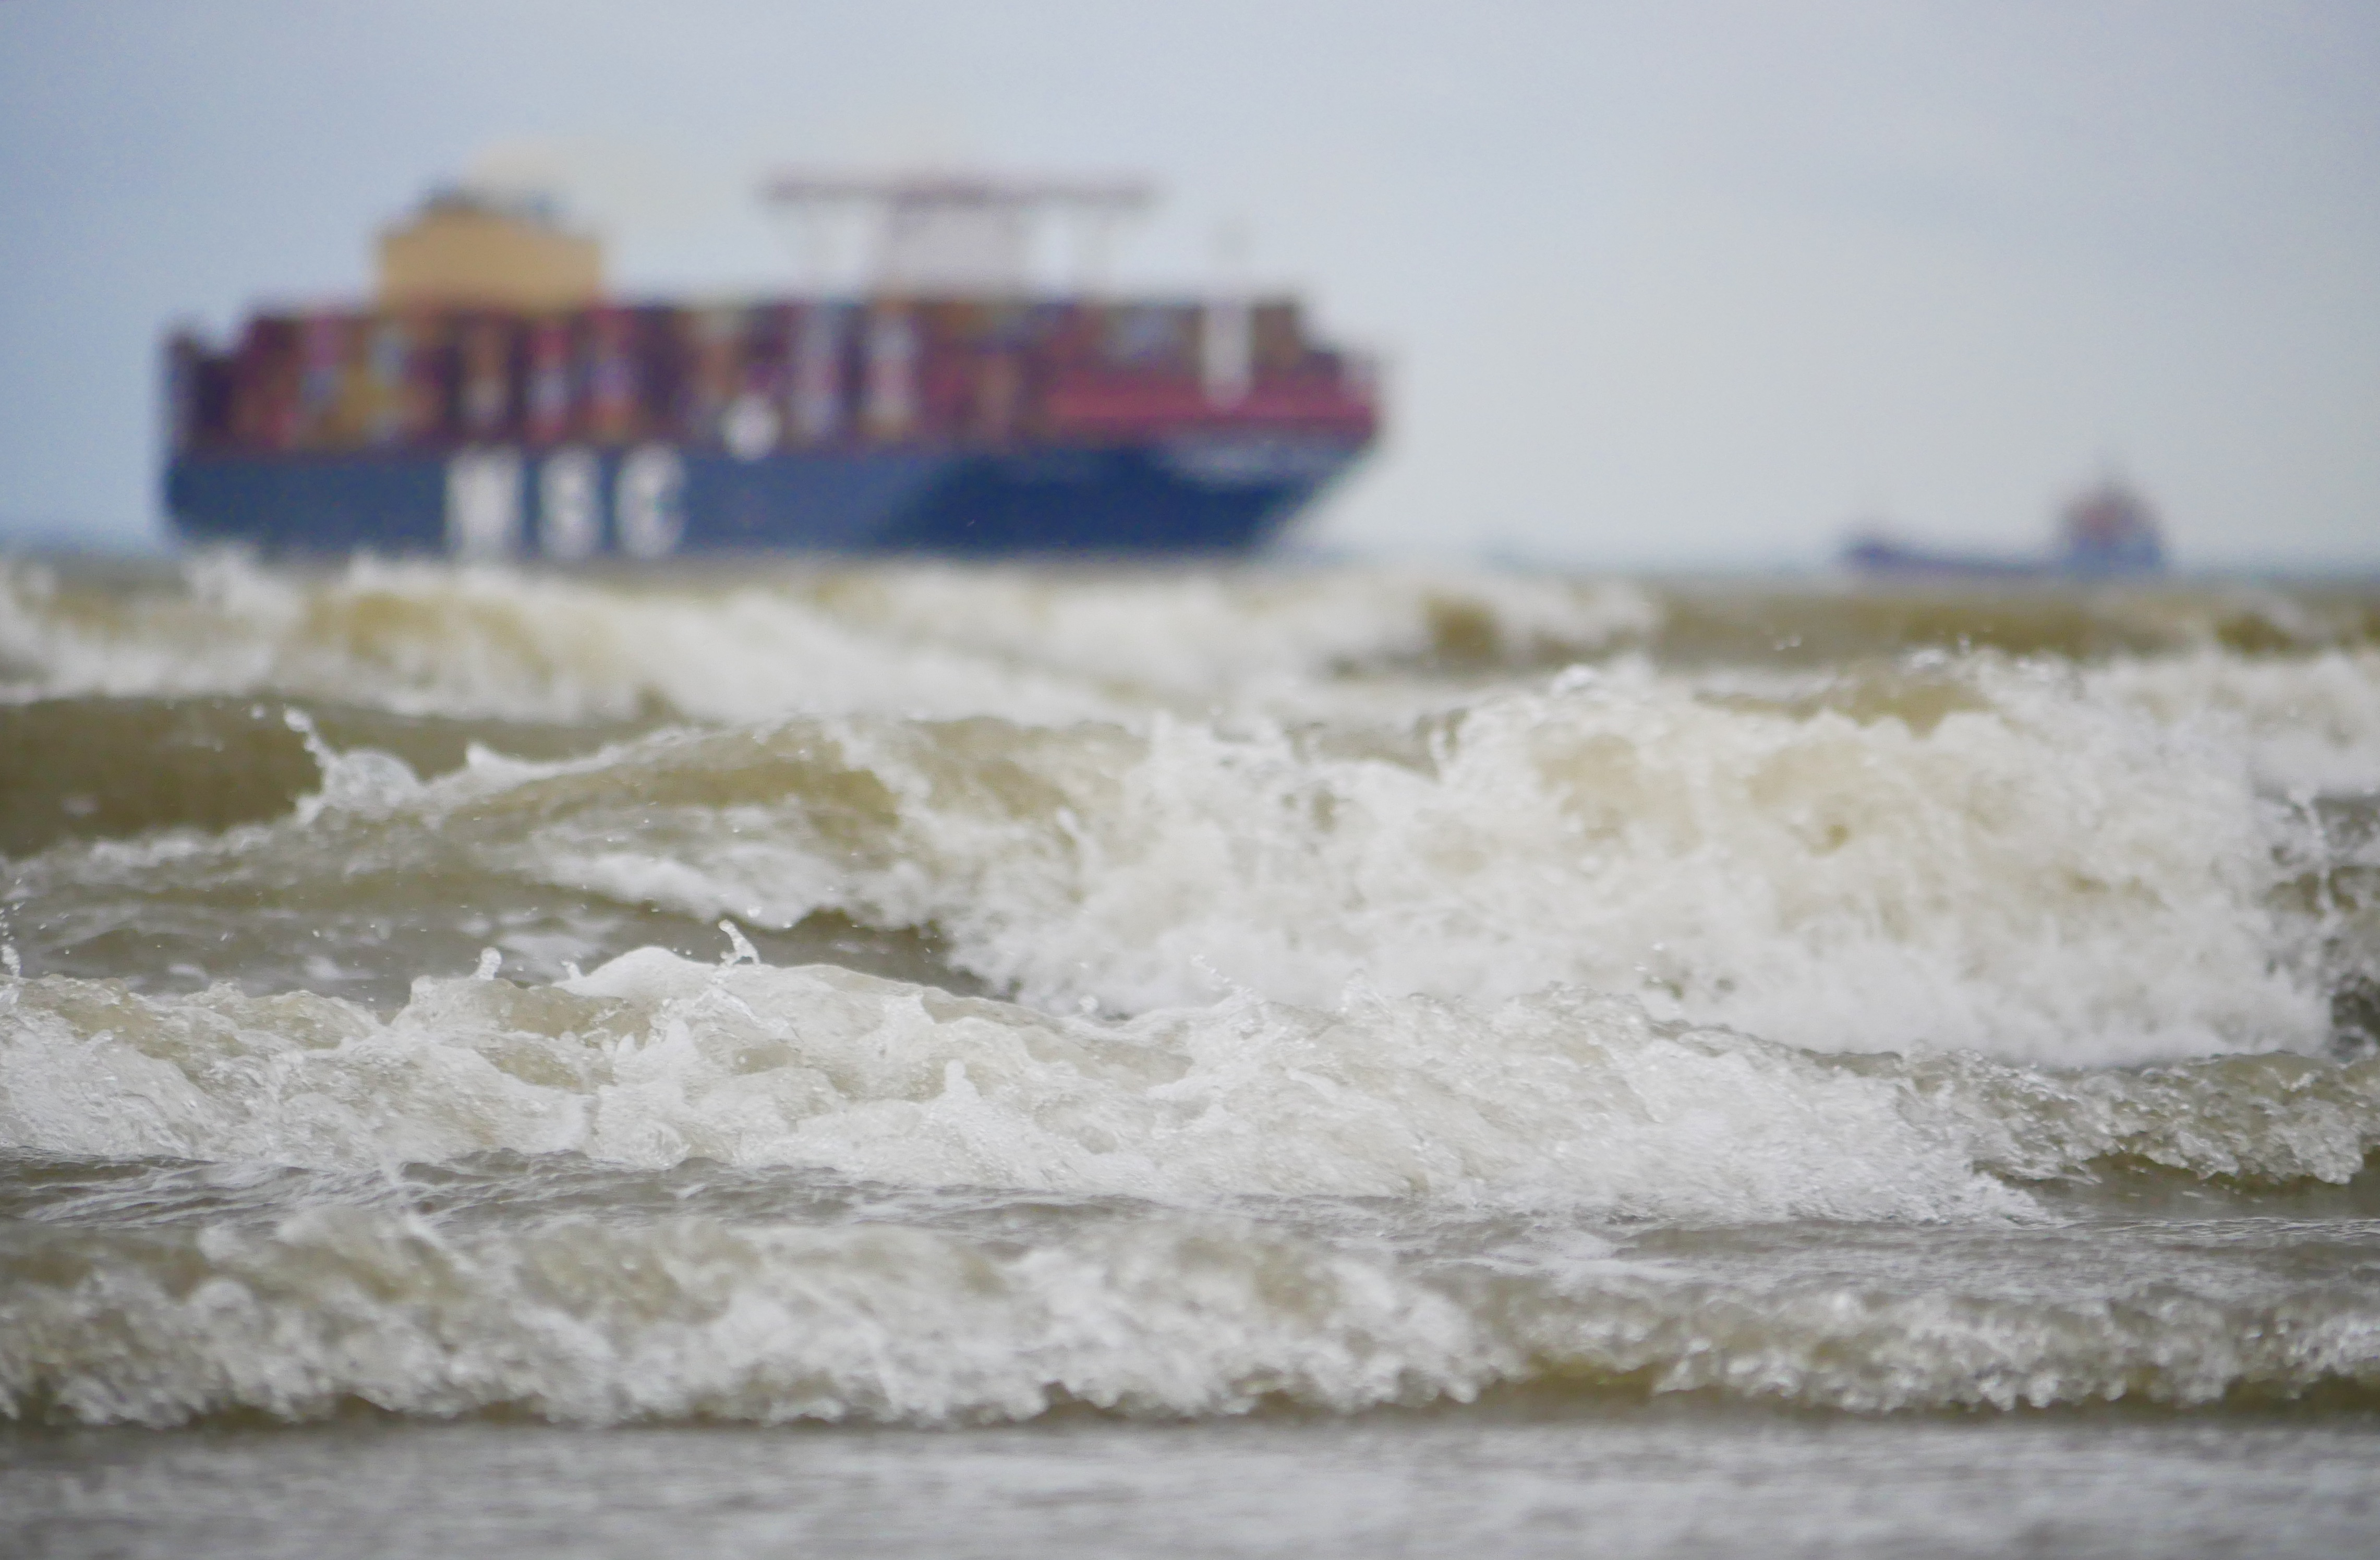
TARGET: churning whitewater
(936,997)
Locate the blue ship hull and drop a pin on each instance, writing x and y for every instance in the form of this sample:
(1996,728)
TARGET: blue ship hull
(1207,494)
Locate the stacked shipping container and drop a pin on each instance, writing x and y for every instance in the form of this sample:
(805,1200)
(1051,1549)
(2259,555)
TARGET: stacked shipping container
(750,378)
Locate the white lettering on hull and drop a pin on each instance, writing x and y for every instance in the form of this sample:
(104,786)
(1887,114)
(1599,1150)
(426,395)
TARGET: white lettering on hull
(483,504)
(650,502)
(570,505)
(485,490)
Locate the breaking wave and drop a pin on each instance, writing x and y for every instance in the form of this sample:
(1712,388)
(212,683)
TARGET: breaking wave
(672,1315)
(1560,1100)
(428,639)
(1177,994)
(2000,858)
(1187,1212)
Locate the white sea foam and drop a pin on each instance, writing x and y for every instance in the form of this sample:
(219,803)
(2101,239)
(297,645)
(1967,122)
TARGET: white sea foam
(2042,872)
(426,640)
(1561,1100)
(2306,724)
(1483,1148)
(1198,636)
(577,1321)
(1556,1101)
(2026,859)
(583,1320)
(2012,859)
(484,641)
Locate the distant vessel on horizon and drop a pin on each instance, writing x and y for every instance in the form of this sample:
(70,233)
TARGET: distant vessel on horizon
(2107,531)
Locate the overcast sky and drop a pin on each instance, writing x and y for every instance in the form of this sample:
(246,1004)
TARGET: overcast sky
(1691,284)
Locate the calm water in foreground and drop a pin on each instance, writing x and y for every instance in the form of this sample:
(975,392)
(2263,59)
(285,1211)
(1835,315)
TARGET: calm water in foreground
(918,1061)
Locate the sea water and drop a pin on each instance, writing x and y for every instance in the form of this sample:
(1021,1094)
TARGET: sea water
(914,1061)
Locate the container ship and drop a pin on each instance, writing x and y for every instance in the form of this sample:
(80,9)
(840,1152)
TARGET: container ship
(2105,532)
(492,400)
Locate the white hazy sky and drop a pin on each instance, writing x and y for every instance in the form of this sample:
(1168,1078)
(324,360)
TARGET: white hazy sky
(1693,284)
